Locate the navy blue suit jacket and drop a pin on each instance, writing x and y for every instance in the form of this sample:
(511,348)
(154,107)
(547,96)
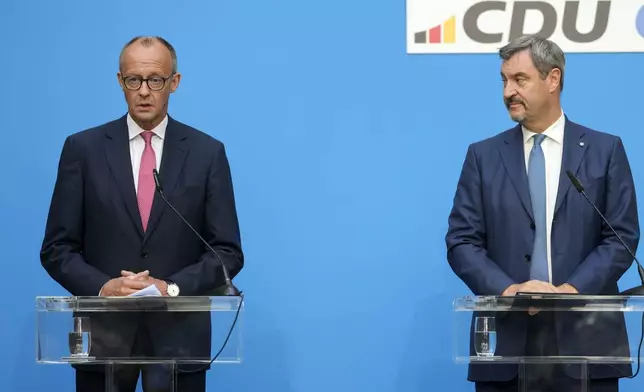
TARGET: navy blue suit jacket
(94,230)
(490,238)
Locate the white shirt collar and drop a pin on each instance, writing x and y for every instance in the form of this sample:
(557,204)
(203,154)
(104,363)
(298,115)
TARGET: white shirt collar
(554,132)
(134,130)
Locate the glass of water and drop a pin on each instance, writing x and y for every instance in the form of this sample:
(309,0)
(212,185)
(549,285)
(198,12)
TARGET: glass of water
(80,338)
(485,336)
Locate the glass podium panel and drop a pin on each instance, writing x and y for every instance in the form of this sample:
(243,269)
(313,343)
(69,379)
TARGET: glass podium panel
(186,334)
(533,336)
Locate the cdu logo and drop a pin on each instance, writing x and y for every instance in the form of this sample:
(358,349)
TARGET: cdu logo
(471,26)
(549,17)
(639,22)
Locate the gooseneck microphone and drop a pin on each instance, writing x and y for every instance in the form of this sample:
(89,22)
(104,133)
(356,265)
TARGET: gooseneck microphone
(230,289)
(638,290)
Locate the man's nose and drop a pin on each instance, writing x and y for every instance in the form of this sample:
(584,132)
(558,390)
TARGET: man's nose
(509,91)
(144,91)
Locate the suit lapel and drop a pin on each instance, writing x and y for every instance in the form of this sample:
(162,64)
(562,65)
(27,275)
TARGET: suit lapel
(574,149)
(514,161)
(172,162)
(117,152)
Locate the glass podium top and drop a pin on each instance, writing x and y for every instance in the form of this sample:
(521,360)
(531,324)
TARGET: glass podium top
(138,304)
(550,302)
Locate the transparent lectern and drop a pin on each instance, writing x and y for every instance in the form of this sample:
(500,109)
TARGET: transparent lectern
(594,337)
(187,334)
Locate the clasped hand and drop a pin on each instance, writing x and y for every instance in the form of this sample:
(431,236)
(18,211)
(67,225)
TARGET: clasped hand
(537,286)
(131,282)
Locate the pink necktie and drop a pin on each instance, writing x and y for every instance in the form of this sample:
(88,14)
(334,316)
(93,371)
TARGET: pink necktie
(145,193)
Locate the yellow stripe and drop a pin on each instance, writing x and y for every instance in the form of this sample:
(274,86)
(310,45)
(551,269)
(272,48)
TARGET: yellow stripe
(449,30)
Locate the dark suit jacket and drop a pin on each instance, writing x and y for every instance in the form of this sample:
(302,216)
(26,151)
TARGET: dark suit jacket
(94,231)
(490,239)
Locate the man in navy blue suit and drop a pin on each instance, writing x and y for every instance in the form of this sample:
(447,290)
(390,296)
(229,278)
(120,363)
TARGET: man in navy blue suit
(108,233)
(517,226)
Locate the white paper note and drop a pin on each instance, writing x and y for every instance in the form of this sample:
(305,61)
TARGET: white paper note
(150,291)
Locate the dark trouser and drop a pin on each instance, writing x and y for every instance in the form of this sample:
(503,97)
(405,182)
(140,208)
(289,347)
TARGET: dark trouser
(556,385)
(542,341)
(156,377)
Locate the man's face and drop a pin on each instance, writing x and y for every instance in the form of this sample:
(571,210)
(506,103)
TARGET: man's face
(525,93)
(147,104)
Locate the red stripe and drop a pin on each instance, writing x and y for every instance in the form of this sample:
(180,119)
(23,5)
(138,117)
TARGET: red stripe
(435,35)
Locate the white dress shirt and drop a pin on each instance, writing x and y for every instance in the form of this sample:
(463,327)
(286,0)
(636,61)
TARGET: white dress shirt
(137,145)
(552,146)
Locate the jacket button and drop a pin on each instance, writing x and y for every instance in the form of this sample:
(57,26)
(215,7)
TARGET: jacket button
(527,258)
(144,255)
(532,226)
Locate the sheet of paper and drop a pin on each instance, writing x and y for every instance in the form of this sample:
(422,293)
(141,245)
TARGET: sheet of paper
(150,291)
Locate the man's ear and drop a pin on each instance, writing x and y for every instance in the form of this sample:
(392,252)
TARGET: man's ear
(120,80)
(554,80)
(174,82)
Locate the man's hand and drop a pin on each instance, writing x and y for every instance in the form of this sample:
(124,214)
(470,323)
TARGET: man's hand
(140,276)
(532,286)
(125,285)
(567,289)
(144,276)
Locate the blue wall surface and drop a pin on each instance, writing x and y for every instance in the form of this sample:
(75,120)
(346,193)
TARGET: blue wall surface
(345,154)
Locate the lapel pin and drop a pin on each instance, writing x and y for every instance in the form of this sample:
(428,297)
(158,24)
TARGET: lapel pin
(581,144)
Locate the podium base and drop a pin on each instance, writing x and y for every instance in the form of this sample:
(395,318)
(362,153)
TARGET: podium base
(533,376)
(165,384)
(77,360)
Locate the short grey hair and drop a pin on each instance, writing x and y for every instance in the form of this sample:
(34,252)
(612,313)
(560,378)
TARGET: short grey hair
(546,55)
(149,41)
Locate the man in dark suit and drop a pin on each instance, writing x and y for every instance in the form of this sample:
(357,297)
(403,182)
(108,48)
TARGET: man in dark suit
(108,232)
(517,226)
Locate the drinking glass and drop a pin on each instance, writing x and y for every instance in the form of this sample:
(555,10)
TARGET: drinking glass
(80,338)
(485,336)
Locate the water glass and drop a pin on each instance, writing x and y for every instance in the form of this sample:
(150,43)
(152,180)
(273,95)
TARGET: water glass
(485,336)
(80,338)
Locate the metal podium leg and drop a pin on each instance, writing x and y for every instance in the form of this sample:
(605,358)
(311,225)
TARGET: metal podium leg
(583,367)
(523,384)
(175,384)
(110,381)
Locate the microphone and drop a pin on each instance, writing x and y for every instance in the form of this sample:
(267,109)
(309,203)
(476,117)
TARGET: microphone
(230,289)
(638,290)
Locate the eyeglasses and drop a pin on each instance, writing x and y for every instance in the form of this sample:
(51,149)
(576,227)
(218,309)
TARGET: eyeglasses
(155,83)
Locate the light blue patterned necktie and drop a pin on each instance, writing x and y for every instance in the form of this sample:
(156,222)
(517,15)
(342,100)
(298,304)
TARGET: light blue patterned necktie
(537,183)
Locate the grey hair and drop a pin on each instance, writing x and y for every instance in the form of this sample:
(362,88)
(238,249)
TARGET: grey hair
(546,55)
(149,41)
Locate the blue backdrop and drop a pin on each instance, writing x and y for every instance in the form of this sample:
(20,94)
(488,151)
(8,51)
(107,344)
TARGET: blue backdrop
(345,154)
